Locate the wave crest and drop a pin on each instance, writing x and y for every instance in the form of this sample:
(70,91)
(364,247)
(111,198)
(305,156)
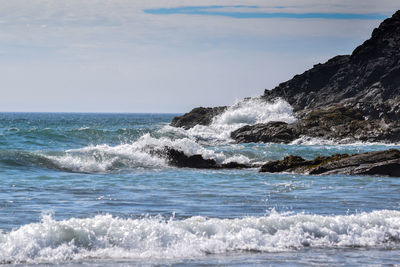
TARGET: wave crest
(248,111)
(105,236)
(105,158)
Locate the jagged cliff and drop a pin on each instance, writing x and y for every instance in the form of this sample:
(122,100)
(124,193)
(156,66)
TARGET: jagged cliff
(368,79)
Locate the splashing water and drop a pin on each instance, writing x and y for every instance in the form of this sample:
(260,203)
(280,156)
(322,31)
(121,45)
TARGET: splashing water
(248,111)
(220,214)
(105,236)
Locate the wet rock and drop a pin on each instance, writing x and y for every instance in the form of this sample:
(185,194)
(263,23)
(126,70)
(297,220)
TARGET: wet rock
(287,164)
(385,163)
(235,165)
(274,132)
(337,122)
(179,159)
(371,163)
(197,116)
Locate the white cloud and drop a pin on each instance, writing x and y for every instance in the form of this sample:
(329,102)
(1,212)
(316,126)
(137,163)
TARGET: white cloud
(98,55)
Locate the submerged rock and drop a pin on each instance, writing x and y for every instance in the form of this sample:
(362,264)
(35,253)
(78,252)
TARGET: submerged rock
(385,162)
(197,116)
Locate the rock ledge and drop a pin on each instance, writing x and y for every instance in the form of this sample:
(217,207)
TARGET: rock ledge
(386,162)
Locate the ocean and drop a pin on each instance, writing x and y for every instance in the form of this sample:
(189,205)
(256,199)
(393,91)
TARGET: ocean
(86,189)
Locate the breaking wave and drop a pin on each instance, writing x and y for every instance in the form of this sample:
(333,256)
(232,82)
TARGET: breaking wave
(105,158)
(136,148)
(142,153)
(248,111)
(311,141)
(108,237)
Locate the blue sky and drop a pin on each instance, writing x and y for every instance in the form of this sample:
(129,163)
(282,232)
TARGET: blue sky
(167,56)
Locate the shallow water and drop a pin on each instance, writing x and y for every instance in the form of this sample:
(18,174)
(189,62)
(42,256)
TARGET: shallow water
(85,189)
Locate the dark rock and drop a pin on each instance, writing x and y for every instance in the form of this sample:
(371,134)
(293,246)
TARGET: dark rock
(385,162)
(201,116)
(178,159)
(337,122)
(368,80)
(235,165)
(288,163)
(378,162)
(274,132)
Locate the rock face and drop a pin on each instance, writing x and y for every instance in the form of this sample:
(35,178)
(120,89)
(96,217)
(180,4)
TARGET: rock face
(336,122)
(367,80)
(385,162)
(201,116)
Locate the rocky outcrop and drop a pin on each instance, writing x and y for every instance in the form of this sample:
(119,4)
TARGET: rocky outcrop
(179,159)
(368,79)
(201,116)
(353,97)
(385,162)
(337,122)
(346,123)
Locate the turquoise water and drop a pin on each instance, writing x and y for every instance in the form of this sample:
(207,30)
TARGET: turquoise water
(86,189)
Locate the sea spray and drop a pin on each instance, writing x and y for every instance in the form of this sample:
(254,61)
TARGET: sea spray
(314,141)
(248,111)
(105,236)
(142,153)
(211,142)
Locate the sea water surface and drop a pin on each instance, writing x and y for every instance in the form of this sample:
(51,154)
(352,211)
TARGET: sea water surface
(86,189)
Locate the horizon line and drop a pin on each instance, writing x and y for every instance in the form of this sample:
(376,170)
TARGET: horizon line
(91,112)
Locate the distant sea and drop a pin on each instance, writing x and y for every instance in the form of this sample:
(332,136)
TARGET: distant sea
(86,189)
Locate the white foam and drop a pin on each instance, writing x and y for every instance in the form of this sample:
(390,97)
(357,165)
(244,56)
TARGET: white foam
(310,141)
(103,158)
(140,153)
(108,237)
(83,128)
(242,159)
(248,111)
(255,110)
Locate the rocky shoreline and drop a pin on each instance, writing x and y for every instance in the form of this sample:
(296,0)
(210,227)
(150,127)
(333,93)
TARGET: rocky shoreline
(385,163)
(349,98)
(337,123)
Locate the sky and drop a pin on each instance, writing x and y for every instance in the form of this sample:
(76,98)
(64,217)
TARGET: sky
(167,56)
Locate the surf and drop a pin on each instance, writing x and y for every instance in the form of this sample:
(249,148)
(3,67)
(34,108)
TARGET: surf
(156,237)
